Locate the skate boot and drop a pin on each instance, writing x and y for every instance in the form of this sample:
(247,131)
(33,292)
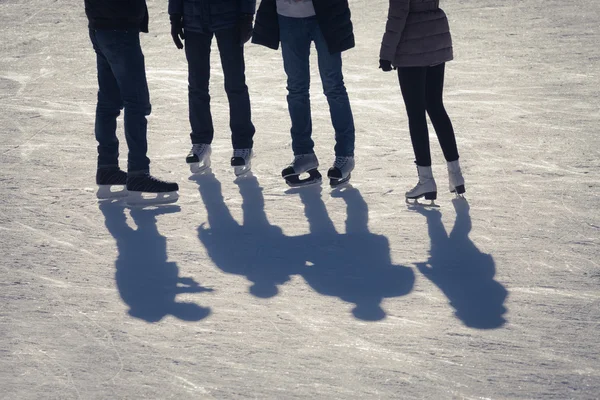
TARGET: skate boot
(302,164)
(425,188)
(340,172)
(457,182)
(199,158)
(144,189)
(109,178)
(241,161)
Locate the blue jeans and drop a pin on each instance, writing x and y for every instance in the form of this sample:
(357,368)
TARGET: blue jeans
(197,51)
(296,36)
(122,85)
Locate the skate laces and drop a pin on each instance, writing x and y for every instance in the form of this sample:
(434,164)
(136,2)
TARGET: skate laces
(199,148)
(340,162)
(244,153)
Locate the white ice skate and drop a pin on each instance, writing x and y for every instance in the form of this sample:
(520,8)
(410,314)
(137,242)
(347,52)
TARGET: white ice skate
(426,188)
(241,161)
(199,158)
(455,178)
(340,173)
(302,164)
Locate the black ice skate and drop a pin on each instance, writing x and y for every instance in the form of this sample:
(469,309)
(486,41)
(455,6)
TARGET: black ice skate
(302,164)
(198,158)
(144,189)
(340,173)
(241,161)
(108,179)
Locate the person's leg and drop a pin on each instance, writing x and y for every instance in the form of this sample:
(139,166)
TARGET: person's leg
(108,109)
(434,89)
(330,69)
(412,85)
(197,52)
(232,61)
(295,48)
(124,54)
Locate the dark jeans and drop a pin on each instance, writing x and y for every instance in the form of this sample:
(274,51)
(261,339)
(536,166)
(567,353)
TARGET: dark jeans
(422,90)
(122,85)
(296,37)
(197,51)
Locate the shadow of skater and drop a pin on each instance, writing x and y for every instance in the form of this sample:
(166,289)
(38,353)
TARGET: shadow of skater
(356,266)
(255,249)
(147,282)
(462,272)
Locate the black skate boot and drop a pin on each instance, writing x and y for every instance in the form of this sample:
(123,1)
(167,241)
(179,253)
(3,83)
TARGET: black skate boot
(340,173)
(144,189)
(241,161)
(109,178)
(303,163)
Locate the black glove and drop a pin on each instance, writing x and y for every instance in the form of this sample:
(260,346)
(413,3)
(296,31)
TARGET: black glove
(385,65)
(245,25)
(177,30)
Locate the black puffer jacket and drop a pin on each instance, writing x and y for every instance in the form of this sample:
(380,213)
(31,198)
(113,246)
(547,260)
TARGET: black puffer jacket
(333,16)
(117,14)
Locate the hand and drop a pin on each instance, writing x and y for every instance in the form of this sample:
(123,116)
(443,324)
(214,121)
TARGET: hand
(177,30)
(385,65)
(245,25)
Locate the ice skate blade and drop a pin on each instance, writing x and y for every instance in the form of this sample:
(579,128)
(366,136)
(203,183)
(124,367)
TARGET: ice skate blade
(105,192)
(416,203)
(241,170)
(151,199)
(313,179)
(336,183)
(197,168)
(303,183)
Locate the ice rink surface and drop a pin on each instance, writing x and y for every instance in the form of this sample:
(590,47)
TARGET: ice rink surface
(247,290)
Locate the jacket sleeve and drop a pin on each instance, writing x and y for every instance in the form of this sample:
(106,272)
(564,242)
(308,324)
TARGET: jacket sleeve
(247,6)
(175,7)
(397,15)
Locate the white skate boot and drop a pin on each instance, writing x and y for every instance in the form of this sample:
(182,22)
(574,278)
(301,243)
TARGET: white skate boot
(241,161)
(425,188)
(340,173)
(455,178)
(199,158)
(302,164)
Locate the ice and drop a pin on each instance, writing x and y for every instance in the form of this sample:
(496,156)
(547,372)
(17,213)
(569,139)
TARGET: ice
(246,289)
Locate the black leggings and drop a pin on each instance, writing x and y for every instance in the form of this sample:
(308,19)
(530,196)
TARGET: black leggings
(422,90)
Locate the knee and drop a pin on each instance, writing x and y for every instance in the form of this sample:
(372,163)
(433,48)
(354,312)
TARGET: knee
(138,107)
(435,108)
(111,108)
(333,86)
(298,88)
(335,91)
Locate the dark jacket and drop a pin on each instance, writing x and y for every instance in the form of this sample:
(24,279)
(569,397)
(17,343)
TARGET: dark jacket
(417,34)
(334,21)
(117,14)
(210,15)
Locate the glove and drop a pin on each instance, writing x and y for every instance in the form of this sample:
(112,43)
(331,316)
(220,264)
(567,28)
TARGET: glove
(177,30)
(245,25)
(385,65)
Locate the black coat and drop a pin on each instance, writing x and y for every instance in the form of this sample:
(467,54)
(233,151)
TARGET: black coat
(117,14)
(334,21)
(210,15)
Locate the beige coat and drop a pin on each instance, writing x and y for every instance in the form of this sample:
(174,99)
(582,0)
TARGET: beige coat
(417,34)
